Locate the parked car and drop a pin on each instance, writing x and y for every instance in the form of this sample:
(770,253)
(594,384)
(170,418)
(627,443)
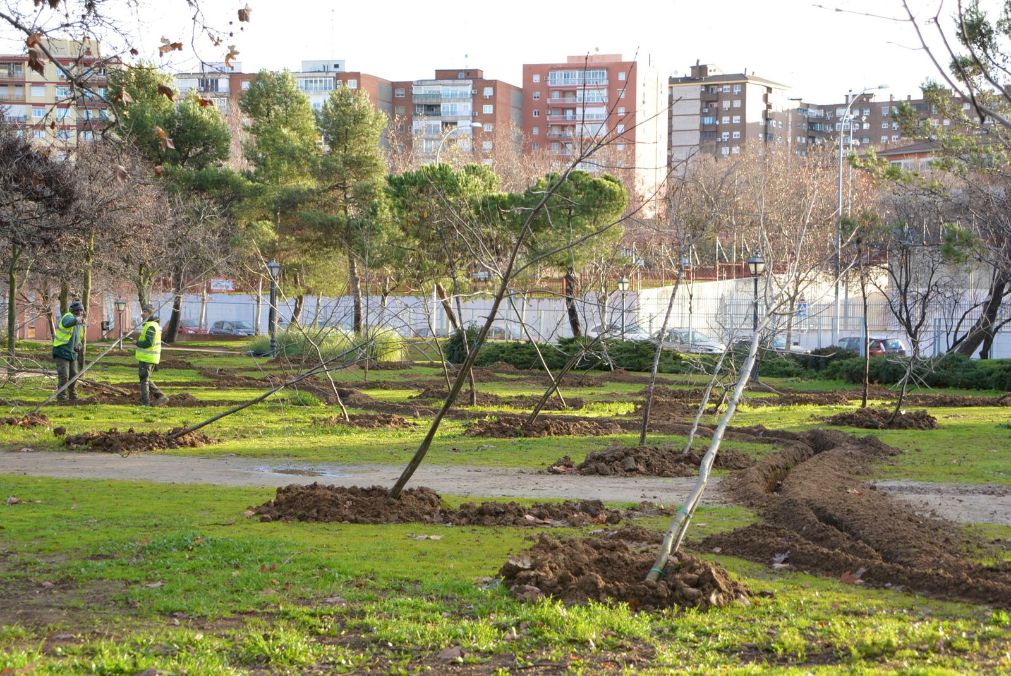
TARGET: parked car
(777,344)
(683,340)
(190,327)
(615,332)
(227,328)
(877,347)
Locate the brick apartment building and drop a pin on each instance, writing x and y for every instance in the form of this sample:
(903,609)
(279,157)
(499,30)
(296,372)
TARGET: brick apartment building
(48,106)
(566,104)
(454,102)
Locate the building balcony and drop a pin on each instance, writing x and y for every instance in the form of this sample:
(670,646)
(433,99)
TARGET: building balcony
(17,119)
(13,96)
(577,85)
(560,134)
(576,117)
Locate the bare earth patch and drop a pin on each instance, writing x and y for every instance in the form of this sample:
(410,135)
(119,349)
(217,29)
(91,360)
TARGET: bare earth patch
(613,568)
(820,517)
(545,426)
(27,420)
(880,419)
(114,441)
(648,461)
(370,421)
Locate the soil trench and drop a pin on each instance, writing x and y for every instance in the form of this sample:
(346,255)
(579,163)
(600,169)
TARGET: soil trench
(820,517)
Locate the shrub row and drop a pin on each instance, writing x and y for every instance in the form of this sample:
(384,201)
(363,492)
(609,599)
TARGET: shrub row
(947,371)
(386,345)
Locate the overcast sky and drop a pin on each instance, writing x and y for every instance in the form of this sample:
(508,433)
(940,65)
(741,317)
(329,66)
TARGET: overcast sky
(819,53)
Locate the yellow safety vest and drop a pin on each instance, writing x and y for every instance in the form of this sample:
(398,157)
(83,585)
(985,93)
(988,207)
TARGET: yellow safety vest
(62,335)
(150,355)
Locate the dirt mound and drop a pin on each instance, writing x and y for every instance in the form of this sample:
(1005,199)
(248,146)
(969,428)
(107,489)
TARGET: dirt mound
(386,365)
(527,402)
(371,421)
(614,568)
(648,461)
(544,426)
(130,441)
(353,504)
(802,399)
(437,394)
(820,517)
(879,419)
(955,401)
(27,420)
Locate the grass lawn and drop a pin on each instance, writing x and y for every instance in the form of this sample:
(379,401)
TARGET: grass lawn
(119,577)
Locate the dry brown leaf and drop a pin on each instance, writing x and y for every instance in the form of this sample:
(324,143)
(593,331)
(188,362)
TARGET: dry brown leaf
(164,140)
(169,46)
(159,170)
(167,92)
(121,173)
(133,51)
(232,53)
(205,102)
(123,97)
(244,13)
(36,57)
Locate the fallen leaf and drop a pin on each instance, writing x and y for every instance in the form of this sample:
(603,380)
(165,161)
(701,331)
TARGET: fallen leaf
(159,170)
(166,91)
(244,13)
(13,500)
(451,654)
(852,578)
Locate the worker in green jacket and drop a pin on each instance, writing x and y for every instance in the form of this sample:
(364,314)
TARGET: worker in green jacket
(148,354)
(67,343)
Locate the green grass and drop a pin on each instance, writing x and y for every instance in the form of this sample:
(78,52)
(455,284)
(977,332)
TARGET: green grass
(176,578)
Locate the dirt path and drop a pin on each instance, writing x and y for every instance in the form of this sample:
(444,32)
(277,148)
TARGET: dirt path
(958,502)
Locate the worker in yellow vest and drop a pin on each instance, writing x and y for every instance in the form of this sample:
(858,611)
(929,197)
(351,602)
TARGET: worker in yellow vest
(67,343)
(148,354)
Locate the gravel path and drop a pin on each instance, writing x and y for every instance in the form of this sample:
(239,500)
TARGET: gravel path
(958,502)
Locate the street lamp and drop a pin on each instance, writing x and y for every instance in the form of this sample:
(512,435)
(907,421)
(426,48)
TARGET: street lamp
(120,306)
(839,208)
(465,125)
(623,287)
(274,268)
(756,266)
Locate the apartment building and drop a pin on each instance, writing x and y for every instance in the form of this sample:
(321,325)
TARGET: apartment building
(459,107)
(318,77)
(223,84)
(599,96)
(716,113)
(49,106)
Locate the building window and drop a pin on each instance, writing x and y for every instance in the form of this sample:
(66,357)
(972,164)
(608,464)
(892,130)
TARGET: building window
(885,110)
(724,151)
(40,133)
(866,140)
(399,92)
(895,137)
(737,89)
(736,150)
(62,93)
(621,110)
(726,89)
(725,119)
(621,129)
(736,134)
(487,109)
(400,110)
(884,139)
(621,76)
(621,94)
(489,92)
(620,146)
(537,96)
(63,135)
(87,135)
(737,103)
(708,119)
(352,84)
(536,131)
(486,145)
(737,119)
(725,136)
(884,125)
(535,112)
(38,113)
(38,91)
(489,128)
(867,112)
(537,78)
(535,146)
(726,104)
(461,75)
(555,147)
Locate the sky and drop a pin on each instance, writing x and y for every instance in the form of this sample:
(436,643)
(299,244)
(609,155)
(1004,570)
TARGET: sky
(820,53)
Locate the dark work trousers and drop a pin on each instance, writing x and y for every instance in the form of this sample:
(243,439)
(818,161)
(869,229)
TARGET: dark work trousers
(147,387)
(65,370)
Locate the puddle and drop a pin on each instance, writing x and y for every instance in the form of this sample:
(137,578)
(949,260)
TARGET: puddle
(297,471)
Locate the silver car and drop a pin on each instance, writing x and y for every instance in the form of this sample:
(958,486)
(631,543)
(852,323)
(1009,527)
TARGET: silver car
(696,342)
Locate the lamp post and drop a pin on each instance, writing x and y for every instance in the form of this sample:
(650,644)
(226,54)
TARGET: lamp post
(839,207)
(623,287)
(274,268)
(442,142)
(756,266)
(120,306)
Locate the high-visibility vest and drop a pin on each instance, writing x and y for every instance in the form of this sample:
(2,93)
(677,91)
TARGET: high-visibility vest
(62,336)
(150,355)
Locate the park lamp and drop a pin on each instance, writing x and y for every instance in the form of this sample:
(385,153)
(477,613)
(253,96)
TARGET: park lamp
(686,263)
(623,284)
(274,267)
(756,264)
(120,304)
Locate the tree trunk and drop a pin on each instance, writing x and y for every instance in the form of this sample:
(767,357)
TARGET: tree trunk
(867,340)
(648,403)
(172,329)
(447,307)
(987,318)
(64,297)
(12,291)
(202,322)
(356,292)
(296,311)
(570,302)
(143,293)
(257,309)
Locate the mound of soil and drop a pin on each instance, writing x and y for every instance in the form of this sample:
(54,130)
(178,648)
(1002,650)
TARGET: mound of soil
(371,421)
(878,419)
(544,426)
(951,400)
(819,517)
(648,461)
(803,399)
(130,441)
(614,568)
(437,393)
(353,504)
(386,365)
(552,404)
(27,420)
